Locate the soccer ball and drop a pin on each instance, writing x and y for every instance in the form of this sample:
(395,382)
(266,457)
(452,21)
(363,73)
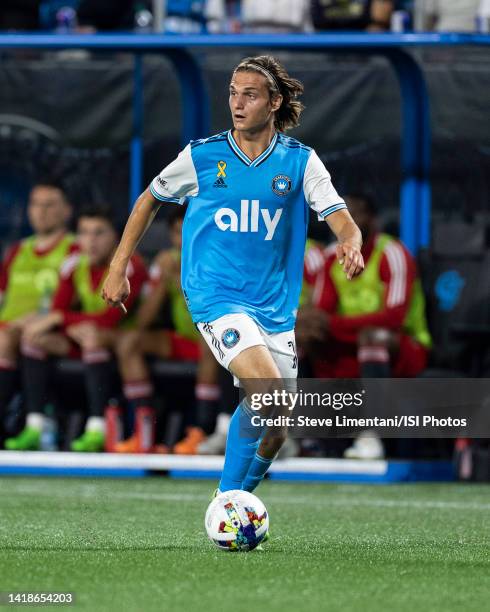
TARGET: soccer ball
(236,521)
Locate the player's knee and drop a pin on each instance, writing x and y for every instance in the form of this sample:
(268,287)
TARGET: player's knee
(9,343)
(53,344)
(93,339)
(127,344)
(37,343)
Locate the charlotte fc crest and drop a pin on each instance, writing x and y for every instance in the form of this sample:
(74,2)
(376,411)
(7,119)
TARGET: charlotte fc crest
(281,185)
(230,337)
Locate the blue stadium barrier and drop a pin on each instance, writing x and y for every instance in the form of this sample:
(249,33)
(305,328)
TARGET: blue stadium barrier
(415,194)
(297,469)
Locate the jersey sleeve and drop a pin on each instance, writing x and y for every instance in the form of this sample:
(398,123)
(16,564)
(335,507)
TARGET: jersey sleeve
(177,180)
(318,189)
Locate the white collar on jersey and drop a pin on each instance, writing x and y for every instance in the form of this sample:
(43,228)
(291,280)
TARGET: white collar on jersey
(245,158)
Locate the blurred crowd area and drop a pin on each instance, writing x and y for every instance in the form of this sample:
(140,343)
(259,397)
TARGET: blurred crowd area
(235,16)
(78,375)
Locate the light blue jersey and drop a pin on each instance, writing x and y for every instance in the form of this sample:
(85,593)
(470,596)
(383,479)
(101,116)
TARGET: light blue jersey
(245,228)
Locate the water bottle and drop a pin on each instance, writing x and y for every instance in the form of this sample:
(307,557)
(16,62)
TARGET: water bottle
(49,434)
(482,24)
(145,428)
(483,17)
(143,20)
(113,426)
(400,22)
(45,301)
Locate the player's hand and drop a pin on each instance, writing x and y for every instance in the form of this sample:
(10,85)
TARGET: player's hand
(116,289)
(22,322)
(349,256)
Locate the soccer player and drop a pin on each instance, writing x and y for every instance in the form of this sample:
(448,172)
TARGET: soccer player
(29,275)
(248,191)
(79,323)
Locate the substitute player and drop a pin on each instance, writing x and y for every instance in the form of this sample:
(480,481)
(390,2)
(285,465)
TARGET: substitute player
(29,276)
(80,324)
(248,192)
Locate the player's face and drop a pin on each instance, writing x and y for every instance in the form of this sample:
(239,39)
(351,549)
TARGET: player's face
(252,108)
(176,234)
(47,210)
(97,239)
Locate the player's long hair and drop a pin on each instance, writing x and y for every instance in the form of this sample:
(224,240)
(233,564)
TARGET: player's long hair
(279,81)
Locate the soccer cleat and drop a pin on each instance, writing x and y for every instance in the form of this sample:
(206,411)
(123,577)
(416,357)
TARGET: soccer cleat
(128,446)
(290,448)
(215,444)
(188,446)
(366,446)
(131,445)
(29,439)
(91,441)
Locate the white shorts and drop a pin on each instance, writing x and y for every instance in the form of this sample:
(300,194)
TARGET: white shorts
(231,334)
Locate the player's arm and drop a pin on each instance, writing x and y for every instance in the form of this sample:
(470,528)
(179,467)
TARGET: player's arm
(175,182)
(323,198)
(349,242)
(116,286)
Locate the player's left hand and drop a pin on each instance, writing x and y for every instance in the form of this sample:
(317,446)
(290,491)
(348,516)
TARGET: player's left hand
(116,289)
(349,256)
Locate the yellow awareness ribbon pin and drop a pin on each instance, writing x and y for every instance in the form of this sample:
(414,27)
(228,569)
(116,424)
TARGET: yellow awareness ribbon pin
(221,168)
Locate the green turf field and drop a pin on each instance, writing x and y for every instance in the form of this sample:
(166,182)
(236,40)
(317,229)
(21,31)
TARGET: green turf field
(140,545)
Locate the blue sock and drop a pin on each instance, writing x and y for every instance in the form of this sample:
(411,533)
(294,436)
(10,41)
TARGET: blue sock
(241,445)
(256,472)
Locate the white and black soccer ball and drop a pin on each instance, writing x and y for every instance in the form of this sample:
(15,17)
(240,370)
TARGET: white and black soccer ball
(236,521)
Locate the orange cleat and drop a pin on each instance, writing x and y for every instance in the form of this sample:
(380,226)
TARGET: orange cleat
(131,445)
(188,446)
(160,449)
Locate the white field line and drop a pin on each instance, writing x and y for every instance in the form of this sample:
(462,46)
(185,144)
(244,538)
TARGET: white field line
(96,493)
